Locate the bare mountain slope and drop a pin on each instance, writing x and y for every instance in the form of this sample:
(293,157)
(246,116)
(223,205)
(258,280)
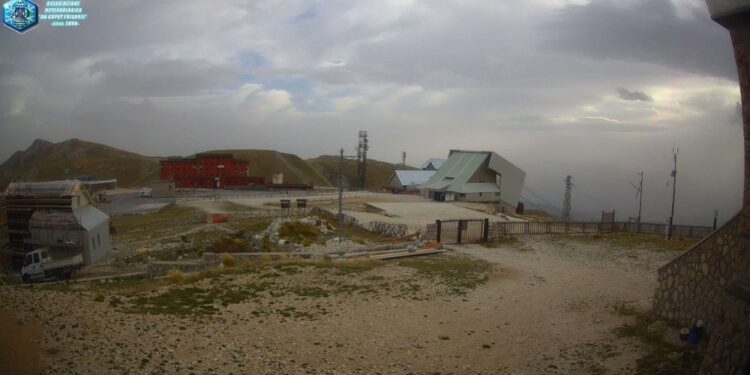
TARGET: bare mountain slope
(45,160)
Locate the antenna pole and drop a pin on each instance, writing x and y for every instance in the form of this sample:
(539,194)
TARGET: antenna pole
(674,191)
(341,195)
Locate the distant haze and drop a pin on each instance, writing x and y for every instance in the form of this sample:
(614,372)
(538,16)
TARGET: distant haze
(599,90)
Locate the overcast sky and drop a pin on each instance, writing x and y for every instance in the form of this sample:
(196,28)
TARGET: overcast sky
(600,90)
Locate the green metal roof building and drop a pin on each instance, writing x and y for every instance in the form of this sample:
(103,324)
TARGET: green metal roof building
(476,176)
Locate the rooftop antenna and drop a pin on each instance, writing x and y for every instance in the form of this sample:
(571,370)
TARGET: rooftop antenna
(566,201)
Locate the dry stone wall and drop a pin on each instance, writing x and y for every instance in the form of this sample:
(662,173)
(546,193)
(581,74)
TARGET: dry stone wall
(699,285)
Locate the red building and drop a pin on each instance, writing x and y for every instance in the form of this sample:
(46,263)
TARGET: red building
(207,171)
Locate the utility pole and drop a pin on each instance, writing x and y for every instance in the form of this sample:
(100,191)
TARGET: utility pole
(639,194)
(566,200)
(674,191)
(341,195)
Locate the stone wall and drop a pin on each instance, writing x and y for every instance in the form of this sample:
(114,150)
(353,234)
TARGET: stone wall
(388,229)
(697,285)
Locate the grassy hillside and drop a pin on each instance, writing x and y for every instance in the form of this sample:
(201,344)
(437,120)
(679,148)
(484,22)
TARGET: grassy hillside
(378,172)
(267,162)
(44,160)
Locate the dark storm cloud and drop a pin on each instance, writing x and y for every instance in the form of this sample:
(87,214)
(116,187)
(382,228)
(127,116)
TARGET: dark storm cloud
(647,31)
(633,96)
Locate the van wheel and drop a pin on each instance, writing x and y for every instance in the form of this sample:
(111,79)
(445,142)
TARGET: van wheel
(26,278)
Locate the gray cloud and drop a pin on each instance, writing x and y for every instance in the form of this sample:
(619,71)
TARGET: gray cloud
(529,79)
(633,96)
(644,31)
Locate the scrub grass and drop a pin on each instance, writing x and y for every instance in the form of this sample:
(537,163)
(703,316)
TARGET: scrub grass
(460,273)
(287,289)
(297,232)
(631,240)
(663,357)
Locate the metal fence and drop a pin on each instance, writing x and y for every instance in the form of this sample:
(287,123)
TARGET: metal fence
(462,230)
(504,228)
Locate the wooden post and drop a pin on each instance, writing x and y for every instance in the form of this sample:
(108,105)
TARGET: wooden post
(486,234)
(437,228)
(460,229)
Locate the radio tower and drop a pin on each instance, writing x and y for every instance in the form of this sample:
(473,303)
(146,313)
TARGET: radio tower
(403,158)
(566,201)
(362,159)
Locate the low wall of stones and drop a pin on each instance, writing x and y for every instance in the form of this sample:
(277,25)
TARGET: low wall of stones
(699,284)
(388,229)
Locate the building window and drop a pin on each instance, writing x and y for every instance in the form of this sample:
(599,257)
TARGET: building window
(98,239)
(480,194)
(93,243)
(462,195)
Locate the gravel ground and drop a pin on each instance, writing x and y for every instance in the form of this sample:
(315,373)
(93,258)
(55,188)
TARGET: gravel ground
(546,308)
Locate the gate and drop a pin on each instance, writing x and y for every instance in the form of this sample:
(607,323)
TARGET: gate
(462,231)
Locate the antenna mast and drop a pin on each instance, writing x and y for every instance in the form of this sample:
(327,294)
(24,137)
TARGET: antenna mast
(362,148)
(674,190)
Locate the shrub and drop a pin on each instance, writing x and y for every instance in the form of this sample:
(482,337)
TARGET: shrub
(228,245)
(227,260)
(299,232)
(176,276)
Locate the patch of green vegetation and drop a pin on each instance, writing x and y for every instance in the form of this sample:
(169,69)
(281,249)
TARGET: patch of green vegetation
(228,245)
(503,241)
(346,267)
(170,218)
(645,241)
(298,232)
(194,301)
(351,232)
(251,226)
(460,273)
(664,357)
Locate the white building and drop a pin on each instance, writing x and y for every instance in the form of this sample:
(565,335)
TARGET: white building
(476,176)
